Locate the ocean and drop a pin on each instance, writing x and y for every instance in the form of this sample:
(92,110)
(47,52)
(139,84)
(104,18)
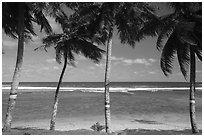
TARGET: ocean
(134,105)
(99,86)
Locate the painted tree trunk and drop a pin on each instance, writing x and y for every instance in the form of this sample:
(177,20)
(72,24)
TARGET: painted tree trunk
(107,82)
(192,91)
(54,113)
(16,76)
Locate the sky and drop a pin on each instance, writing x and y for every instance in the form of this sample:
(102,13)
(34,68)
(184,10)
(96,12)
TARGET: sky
(139,64)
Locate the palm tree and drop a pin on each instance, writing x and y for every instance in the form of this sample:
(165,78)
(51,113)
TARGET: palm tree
(104,18)
(183,31)
(17,19)
(66,44)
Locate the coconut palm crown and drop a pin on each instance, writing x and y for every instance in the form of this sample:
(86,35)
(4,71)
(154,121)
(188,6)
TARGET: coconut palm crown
(32,12)
(176,32)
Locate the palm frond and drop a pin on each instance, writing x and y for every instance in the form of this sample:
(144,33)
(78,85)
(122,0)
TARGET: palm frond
(150,28)
(168,55)
(185,31)
(53,39)
(165,33)
(86,48)
(9,19)
(183,54)
(130,20)
(70,54)
(40,19)
(28,21)
(198,52)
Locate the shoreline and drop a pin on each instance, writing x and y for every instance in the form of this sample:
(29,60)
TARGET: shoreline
(35,131)
(98,90)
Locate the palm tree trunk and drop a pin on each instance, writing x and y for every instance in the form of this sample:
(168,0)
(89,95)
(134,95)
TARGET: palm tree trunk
(54,113)
(107,82)
(16,76)
(192,91)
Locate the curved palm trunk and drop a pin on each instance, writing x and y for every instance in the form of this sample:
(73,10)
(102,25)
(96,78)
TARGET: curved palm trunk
(54,113)
(16,76)
(107,82)
(192,91)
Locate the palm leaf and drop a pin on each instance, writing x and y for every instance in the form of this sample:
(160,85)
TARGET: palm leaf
(86,48)
(186,32)
(167,26)
(198,52)
(150,28)
(9,19)
(53,39)
(41,20)
(183,54)
(168,54)
(130,19)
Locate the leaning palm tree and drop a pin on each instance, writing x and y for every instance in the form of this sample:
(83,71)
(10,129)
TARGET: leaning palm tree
(104,18)
(66,45)
(183,31)
(17,22)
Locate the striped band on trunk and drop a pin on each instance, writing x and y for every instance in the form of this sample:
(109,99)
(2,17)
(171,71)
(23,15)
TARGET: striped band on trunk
(13,96)
(192,101)
(107,105)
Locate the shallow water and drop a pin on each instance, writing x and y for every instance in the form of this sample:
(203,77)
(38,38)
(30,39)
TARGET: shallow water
(168,110)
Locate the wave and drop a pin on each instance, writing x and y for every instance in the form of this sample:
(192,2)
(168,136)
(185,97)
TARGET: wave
(84,89)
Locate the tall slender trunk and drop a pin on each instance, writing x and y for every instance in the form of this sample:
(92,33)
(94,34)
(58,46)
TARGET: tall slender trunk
(192,91)
(54,113)
(107,82)
(16,75)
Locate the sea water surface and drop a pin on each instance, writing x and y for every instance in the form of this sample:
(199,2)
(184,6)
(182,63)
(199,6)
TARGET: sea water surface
(99,86)
(134,105)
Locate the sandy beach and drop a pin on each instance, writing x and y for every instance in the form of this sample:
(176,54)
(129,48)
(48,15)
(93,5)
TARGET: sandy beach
(154,111)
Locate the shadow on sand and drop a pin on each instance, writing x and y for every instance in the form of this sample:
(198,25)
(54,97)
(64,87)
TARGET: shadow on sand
(157,132)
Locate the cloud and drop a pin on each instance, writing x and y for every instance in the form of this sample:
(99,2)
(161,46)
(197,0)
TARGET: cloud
(101,65)
(126,61)
(135,73)
(113,58)
(55,67)
(152,60)
(143,61)
(81,57)
(50,60)
(152,72)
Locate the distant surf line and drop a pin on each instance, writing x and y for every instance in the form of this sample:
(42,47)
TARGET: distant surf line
(85,89)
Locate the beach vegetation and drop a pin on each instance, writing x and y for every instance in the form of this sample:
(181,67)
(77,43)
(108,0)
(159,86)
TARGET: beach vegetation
(97,127)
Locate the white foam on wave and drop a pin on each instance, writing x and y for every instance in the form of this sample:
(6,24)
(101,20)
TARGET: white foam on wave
(83,89)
